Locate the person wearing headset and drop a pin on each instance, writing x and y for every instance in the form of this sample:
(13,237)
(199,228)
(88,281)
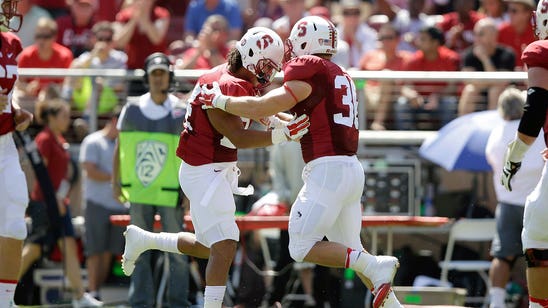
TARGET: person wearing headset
(145,173)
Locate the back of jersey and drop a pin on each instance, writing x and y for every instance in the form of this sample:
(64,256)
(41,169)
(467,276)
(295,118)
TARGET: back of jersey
(332,107)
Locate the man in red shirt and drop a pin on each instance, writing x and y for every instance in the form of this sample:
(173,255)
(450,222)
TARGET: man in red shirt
(329,204)
(142,31)
(517,33)
(434,98)
(458,25)
(75,29)
(13,185)
(45,53)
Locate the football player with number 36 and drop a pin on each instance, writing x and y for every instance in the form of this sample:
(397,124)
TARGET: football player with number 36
(208,174)
(535,234)
(13,185)
(329,202)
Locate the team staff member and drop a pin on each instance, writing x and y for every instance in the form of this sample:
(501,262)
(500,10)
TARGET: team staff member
(145,173)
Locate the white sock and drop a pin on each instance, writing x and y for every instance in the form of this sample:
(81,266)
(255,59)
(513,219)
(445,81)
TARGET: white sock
(213,296)
(165,241)
(497,296)
(7,290)
(362,262)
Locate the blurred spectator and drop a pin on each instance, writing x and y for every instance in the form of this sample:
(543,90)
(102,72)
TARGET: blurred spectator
(495,9)
(409,22)
(506,247)
(56,8)
(31,14)
(44,53)
(458,26)
(518,32)
(380,95)
(430,98)
(261,9)
(142,31)
(47,231)
(199,10)
(210,49)
(102,56)
(75,28)
(359,36)
(488,56)
(102,239)
(293,11)
(108,9)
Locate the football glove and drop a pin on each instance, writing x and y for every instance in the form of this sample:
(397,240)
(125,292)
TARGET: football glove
(212,98)
(294,130)
(510,168)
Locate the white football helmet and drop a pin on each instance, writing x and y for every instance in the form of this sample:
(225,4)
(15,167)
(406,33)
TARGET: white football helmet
(311,35)
(540,20)
(10,20)
(262,52)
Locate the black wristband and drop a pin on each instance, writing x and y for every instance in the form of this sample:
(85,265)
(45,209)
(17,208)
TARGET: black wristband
(534,113)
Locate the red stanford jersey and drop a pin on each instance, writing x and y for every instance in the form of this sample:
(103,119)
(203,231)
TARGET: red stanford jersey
(9,50)
(200,143)
(332,107)
(536,55)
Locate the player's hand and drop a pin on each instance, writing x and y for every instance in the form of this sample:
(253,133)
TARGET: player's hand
(272,122)
(212,97)
(510,168)
(294,130)
(22,119)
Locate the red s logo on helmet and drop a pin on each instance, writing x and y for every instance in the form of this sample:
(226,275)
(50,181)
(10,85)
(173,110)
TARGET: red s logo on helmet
(265,41)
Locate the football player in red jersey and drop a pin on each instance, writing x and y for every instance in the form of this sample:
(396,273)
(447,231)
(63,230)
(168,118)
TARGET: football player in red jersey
(208,174)
(13,186)
(329,202)
(535,234)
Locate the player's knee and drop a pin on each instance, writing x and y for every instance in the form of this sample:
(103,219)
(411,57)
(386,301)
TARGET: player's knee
(298,251)
(536,257)
(223,231)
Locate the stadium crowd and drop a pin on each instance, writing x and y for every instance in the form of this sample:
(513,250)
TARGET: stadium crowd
(374,35)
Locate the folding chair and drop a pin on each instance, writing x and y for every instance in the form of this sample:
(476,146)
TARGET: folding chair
(469,230)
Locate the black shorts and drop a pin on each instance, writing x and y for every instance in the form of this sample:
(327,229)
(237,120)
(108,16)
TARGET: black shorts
(42,231)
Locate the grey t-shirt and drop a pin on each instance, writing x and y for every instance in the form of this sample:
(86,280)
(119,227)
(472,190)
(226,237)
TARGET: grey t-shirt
(96,148)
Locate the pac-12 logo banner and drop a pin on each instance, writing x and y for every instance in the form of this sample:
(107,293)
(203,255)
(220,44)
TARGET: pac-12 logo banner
(151,157)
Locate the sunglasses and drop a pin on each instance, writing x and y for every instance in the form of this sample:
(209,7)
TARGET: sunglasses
(386,37)
(351,13)
(43,36)
(104,39)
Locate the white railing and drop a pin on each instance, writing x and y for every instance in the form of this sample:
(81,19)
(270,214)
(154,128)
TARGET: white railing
(358,76)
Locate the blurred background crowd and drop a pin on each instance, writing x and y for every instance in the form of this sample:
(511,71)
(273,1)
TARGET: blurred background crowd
(374,35)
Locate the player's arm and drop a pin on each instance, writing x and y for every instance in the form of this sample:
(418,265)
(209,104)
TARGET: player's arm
(277,100)
(531,122)
(231,127)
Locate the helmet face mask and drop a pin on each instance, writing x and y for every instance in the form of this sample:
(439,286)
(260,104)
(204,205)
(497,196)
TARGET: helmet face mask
(10,20)
(311,35)
(539,20)
(262,53)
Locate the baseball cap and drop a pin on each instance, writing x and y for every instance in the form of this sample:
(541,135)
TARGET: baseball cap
(158,63)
